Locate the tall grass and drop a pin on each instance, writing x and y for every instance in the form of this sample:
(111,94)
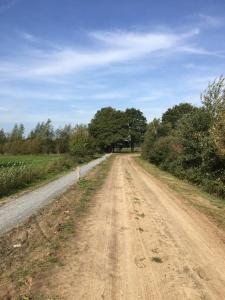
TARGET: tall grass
(18,174)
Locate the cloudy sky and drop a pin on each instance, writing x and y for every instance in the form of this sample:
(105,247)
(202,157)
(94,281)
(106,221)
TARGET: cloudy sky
(63,60)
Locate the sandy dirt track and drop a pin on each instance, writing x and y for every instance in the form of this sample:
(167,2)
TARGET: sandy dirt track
(141,242)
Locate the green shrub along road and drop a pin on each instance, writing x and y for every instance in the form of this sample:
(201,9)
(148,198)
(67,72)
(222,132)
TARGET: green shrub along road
(189,141)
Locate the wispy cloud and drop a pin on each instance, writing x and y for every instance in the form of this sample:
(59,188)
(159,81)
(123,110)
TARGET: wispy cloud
(106,48)
(214,21)
(6,4)
(32,94)
(119,68)
(27,36)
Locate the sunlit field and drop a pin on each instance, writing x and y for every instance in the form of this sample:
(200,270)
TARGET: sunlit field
(19,171)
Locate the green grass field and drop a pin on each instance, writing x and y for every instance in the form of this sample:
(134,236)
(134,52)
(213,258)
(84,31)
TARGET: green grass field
(9,160)
(20,171)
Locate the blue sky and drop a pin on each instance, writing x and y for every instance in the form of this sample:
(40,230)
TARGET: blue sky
(63,60)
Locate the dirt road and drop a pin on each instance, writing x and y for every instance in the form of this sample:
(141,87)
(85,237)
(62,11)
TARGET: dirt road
(141,242)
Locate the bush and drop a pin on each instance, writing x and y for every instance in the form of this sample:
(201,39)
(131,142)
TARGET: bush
(192,147)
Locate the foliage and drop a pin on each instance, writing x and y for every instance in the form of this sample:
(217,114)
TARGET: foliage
(136,123)
(218,133)
(111,128)
(62,138)
(190,141)
(108,128)
(174,114)
(80,145)
(19,171)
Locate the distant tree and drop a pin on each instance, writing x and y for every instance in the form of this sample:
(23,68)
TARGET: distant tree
(80,145)
(108,128)
(62,138)
(17,133)
(174,114)
(3,139)
(155,130)
(43,134)
(136,124)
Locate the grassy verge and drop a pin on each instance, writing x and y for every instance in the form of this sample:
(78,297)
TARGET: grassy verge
(23,172)
(18,173)
(31,252)
(211,206)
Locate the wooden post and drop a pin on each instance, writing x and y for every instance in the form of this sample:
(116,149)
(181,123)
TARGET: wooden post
(78,173)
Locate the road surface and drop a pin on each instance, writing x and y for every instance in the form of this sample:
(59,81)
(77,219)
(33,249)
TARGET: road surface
(21,208)
(141,242)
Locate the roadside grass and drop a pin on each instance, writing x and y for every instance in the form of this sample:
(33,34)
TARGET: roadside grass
(211,206)
(23,171)
(44,239)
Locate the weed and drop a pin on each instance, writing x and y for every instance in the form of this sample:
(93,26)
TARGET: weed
(142,215)
(140,229)
(157,259)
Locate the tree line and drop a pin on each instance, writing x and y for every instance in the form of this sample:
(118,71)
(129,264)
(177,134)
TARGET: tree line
(110,129)
(189,141)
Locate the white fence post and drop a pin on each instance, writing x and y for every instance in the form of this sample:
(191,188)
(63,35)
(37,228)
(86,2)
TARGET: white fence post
(78,173)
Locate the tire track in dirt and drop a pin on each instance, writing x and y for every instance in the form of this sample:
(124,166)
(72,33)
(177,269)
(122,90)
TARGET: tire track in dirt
(140,242)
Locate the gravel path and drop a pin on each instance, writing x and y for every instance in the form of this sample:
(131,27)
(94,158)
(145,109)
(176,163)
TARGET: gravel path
(16,211)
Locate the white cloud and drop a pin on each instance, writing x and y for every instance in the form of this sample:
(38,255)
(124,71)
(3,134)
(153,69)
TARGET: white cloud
(213,21)
(4,109)
(25,93)
(112,48)
(27,36)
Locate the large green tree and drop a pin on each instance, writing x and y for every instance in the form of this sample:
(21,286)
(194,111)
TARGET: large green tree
(174,114)
(136,125)
(108,128)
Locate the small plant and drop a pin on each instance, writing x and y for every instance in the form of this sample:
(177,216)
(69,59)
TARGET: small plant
(140,229)
(142,215)
(157,259)
(24,297)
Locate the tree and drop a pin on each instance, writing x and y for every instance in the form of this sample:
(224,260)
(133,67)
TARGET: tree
(108,128)
(136,124)
(17,133)
(80,144)
(62,138)
(3,140)
(218,133)
(213,98)
(192,130)
(43,134)
(174,114)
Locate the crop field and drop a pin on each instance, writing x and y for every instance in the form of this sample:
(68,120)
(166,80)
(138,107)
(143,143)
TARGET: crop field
(18,171)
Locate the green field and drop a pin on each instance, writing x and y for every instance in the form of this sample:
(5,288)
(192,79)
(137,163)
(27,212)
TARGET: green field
(19,171)
(9,160)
